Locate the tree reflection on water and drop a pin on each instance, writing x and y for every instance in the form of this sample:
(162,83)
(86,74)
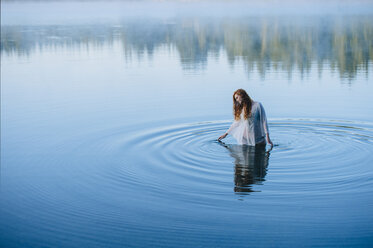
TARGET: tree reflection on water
(344,44)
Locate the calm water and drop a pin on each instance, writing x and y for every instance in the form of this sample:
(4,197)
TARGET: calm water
(110,114)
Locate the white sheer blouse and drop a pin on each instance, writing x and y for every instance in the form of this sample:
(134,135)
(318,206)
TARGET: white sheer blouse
(253,130)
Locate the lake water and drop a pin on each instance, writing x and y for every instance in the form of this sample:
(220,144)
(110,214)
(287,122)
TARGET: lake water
(110,114)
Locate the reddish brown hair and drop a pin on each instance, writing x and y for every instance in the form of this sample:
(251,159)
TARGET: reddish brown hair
(245,104)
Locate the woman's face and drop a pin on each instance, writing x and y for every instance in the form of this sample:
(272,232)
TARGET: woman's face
(238,98)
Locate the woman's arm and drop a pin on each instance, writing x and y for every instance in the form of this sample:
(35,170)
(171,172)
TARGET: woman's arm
(265,124)
(233,126)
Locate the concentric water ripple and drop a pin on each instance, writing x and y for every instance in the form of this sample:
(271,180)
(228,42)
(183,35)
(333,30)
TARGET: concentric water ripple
(310,156)
(185,162)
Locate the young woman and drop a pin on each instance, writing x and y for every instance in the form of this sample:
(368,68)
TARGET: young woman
(250,122)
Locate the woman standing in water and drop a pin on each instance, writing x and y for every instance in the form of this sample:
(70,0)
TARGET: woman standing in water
(250,122)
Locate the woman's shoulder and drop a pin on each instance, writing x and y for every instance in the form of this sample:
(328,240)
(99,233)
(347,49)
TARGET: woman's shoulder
(256,104)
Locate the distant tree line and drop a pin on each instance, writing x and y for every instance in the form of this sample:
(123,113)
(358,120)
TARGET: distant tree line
(261,43)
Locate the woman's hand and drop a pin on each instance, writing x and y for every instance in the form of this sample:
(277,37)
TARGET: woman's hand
(222,136)
(270,142)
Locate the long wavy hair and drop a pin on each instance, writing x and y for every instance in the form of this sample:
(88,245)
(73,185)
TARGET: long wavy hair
(245,104)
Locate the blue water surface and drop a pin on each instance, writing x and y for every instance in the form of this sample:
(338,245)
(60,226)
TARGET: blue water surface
(110,114)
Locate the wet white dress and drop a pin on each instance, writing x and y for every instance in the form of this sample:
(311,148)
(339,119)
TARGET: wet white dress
(252,130)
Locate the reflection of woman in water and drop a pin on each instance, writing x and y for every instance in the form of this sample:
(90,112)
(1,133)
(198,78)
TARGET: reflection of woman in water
(251,164)
(250,122)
